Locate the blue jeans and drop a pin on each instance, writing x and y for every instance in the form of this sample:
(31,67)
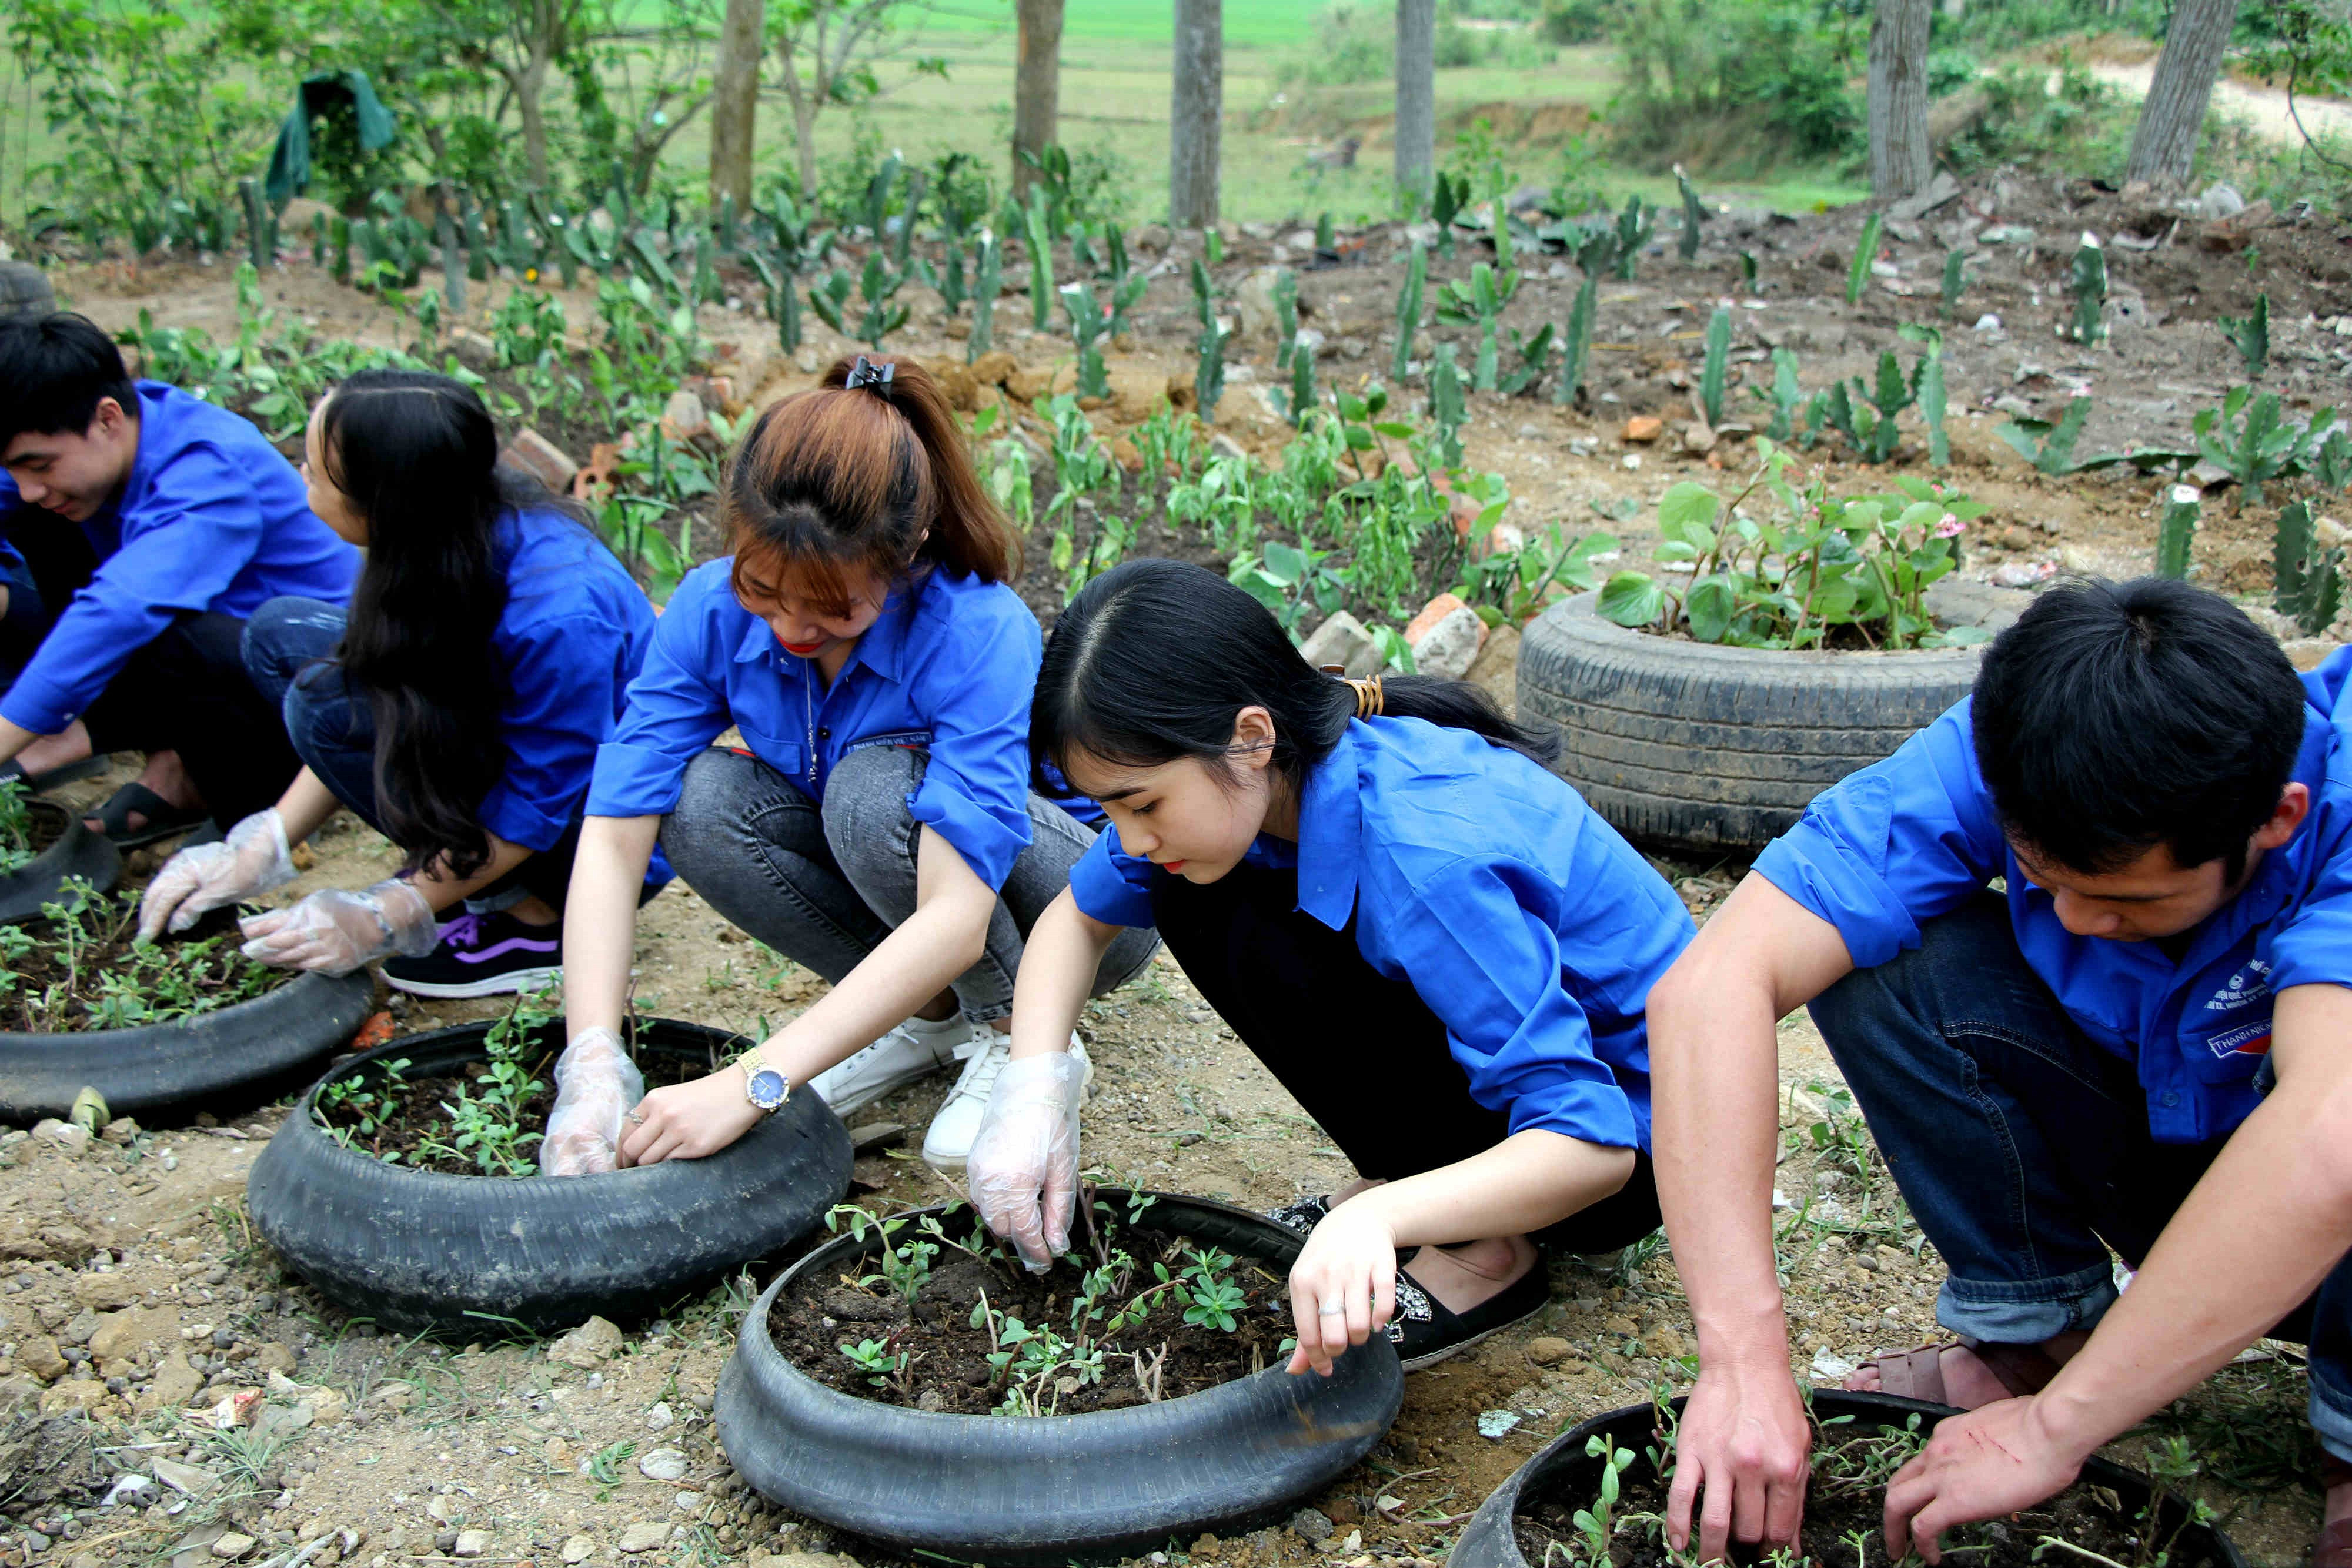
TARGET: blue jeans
(2022,1146)
(290,644)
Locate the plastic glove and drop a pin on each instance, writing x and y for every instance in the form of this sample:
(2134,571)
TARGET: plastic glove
(1024,1167)
(595,1084)
(252,859)
(336,932)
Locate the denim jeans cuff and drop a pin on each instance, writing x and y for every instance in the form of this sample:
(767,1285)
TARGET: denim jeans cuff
(2026,1311)
(2331,1414)
(987,1012)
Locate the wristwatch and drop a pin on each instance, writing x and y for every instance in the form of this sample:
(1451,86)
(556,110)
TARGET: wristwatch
(766,1088)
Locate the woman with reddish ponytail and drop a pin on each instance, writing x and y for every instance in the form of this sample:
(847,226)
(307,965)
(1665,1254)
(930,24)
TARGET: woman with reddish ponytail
(877,823)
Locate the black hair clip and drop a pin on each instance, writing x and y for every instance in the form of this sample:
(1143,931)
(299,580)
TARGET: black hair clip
(866,373)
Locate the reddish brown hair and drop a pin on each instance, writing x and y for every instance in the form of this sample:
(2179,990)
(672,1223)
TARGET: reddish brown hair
(841,480)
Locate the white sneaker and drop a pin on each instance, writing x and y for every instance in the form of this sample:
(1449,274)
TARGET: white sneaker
(948,1143)
(916,1049)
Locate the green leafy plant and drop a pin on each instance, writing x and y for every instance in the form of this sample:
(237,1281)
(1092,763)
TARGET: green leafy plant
(2088,277)
(1954,281)
(1289,578)
(1446,410)
(1786,396)
(1479,302)
(1408,311)
(2251,336)
(1635,225)
(80,968)
(1717,361)
(1866,418)
(1694,214)
(1576,342)
(1927,385)
(16,850)
(355,1106)
(1448,194)
(1858,566)
(485,1117)
(2248,436)
(2308,580)
(1598,1523)
(879,1357)
(2049,444)
(1865,251)
(1087,324)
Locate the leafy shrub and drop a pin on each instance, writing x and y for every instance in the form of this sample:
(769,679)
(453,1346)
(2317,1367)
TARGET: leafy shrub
(1695,69)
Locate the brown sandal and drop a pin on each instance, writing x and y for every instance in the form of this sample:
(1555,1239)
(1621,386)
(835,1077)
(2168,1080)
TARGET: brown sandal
(1918,1373)
(2333,1548)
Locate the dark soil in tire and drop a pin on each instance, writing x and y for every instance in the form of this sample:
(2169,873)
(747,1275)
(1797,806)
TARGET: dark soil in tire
(63,846)
(1531,1517)
(415,1249)
(1047,1488)
(1703,750)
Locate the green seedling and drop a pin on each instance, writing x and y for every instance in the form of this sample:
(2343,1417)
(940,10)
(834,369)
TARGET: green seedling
(2176,530)
(1408,312)
(2089,277)
(879,1357)
(1086,325)
(1576,343)
(1303,397)
(1954,281)
(1479,302)
(1598,1523)
(1718,361)
(2049,444)
(1694,214)
(2250,438)
(1927,383)
(1448,196)
(1446,410)
(1787,397)
(988,282)
(1865,251)
(1041,261)
(1209,371)
(2251,336)
(1324,238)
(1286,319)
(2307,581)
(1534,356)
(1867,418)
(1634,227)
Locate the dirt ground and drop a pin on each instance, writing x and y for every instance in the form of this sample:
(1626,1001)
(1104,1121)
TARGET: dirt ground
(134,1256)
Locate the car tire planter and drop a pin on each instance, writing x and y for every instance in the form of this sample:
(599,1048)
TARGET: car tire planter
(415,1249)
(1488,1540)
(242,1053)
(1006,1489)
(1703,749)
(76,851)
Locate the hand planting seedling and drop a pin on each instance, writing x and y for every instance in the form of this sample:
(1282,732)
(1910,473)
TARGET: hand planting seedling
(941,1316)
(78,967)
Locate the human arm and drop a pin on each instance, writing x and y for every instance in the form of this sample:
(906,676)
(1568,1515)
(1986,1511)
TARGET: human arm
(2271,1218)
(1715,1088)
(1529,1180)
(944,937)
(255,856)
(1022,1169)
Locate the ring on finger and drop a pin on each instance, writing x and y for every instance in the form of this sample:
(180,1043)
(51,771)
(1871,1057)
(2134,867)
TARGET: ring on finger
(632,1118)
(1330,1310)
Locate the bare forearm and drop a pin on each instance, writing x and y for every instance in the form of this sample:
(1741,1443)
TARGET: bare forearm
(912,964)
(1065,949)
(305,808)
(13,738)
(2269,1220)
(441,889)
(600,918)
(1528,1181)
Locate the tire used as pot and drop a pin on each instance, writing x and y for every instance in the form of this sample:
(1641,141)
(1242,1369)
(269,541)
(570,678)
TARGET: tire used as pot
(1015,1488)
(1489,1540)
(158,1071)
(416,1249)
(75,851)
(1703,749)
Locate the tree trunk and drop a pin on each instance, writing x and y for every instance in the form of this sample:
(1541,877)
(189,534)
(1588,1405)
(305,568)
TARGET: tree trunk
(1416,94)
(2165,144)
(1194,113)
(1036,86)
(734,100)
(1899,157)
(528,84)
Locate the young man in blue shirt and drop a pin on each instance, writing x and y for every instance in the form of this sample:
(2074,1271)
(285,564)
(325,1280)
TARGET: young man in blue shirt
(147,525)
(2137,1044)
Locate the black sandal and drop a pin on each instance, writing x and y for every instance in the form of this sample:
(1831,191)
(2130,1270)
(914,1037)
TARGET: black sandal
(163,818)
(12,771)
(1425,1330)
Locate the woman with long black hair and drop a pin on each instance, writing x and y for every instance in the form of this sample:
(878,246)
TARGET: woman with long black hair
(1430,939)
(456,706)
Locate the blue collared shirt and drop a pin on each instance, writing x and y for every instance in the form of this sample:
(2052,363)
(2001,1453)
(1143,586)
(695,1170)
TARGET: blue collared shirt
(211,518)
(1520,917)
(1911,838)
(948,667)
(572,636)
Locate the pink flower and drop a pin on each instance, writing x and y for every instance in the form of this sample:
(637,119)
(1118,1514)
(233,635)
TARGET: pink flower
(1949,527)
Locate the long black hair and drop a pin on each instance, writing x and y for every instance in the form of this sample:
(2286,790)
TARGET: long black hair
(1153,659)
(418,456)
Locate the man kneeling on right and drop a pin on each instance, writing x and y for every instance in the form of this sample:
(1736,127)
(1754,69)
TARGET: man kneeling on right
(2140,1040)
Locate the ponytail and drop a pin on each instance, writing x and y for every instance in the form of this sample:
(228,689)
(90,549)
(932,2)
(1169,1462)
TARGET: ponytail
(842,480)
(1153,659)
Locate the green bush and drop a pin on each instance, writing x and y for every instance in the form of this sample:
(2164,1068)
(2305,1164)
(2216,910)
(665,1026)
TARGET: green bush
(1762,75)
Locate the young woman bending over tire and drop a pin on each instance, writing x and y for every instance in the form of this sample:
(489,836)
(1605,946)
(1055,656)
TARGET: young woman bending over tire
(1431,940)
(877,823)
(456,706)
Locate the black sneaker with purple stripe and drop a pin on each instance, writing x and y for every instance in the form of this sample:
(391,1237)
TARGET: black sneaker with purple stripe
(482,956)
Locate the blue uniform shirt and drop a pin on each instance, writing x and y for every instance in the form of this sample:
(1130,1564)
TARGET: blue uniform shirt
(1520,917)
(948,667)
(211,518)
(572,636)
(1910,838)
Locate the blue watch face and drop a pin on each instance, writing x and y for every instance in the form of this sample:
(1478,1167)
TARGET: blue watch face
(767,1088)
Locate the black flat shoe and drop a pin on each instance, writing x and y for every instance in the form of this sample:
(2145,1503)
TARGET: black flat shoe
(1425,1330)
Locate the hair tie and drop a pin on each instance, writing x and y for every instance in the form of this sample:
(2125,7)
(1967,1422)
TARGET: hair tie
(1370,695)
(866,373)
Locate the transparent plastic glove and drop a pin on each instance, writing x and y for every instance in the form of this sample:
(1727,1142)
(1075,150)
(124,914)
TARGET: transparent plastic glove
(595,1084)
(1024,1167)
(336,932)
(252,859)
